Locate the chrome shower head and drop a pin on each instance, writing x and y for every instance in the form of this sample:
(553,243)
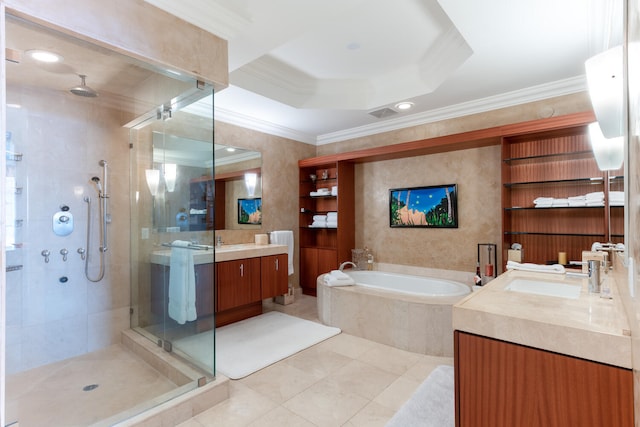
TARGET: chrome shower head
(96,181)
(83,89)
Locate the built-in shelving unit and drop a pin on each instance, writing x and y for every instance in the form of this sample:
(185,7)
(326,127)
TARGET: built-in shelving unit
(556,164)
(323,248)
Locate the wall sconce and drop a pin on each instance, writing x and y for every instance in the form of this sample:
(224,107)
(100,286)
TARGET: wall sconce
(153,179)
(609,152)
(250,180)
(605,83)
(170,174)
(606,90)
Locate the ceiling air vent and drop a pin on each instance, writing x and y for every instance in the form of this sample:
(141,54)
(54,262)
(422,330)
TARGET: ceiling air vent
(383,112)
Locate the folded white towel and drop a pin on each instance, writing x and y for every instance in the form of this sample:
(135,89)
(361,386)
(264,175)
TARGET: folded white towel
(339,274)
(595,195)
(315,224)
(338,278)
(555,268)
(543,200)
(319,217)
(560,202)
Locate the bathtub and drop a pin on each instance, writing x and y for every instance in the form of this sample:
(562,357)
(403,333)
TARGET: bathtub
(409,312)
(409,284)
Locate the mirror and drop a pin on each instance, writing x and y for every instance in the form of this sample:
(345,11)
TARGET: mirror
(232,165)
(192,210)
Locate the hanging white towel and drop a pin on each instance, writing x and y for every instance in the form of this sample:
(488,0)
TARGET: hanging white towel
(285,237)
(182,283)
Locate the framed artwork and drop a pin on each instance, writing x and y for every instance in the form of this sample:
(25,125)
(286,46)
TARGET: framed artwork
(428,207)
(250,211)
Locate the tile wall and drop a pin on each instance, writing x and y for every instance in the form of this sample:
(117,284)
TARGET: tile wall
(62,138)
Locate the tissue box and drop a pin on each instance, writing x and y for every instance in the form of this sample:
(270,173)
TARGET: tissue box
(515,255)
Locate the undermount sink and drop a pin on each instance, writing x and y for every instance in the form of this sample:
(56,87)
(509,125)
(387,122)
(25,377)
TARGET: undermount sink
(552,289)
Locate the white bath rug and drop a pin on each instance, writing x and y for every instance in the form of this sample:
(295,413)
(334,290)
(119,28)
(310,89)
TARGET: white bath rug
(432,404)
(245,347)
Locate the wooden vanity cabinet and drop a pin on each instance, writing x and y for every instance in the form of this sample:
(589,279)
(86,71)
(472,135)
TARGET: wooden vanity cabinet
(499,383)
(275,273)
(238,283)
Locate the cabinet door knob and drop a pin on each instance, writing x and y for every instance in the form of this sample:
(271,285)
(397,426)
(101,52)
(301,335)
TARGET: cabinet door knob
(241,270)
(277,265)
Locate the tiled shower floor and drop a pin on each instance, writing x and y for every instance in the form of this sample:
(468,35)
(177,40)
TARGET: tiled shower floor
(54,395)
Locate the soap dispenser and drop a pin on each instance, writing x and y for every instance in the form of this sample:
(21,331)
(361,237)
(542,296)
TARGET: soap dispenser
(369,260)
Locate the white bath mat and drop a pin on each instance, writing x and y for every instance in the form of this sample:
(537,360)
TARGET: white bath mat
(432,405)
(245,347)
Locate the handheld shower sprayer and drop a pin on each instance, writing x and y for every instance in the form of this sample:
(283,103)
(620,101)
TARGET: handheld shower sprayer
(96,181)
(103,196)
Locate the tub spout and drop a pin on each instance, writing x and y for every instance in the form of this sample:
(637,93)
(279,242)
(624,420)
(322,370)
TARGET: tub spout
(344,264)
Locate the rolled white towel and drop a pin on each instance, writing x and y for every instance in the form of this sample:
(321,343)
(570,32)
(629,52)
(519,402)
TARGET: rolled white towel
(527,266)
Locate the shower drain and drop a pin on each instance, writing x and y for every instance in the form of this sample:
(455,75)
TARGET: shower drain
(90,387)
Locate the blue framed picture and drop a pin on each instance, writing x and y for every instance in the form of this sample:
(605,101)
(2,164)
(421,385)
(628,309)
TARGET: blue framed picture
(250,211)
(431,207)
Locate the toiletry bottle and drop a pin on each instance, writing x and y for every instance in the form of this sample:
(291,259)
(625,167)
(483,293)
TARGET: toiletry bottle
(370,261)
(477,280)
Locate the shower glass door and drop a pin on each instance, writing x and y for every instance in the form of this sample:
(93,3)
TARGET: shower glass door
(174,282)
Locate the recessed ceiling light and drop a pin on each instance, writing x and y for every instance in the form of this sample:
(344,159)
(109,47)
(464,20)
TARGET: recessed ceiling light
(44,56)
(231,149)
(404,105)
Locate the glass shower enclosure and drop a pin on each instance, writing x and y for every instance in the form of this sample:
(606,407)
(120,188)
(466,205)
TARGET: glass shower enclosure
(172,218)
(65,122)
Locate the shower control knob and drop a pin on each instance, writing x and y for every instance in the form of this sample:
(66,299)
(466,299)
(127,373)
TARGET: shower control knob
(82,253)
(64,254)
(45,253)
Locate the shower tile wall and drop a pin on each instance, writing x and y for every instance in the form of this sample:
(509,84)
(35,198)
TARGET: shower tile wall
(62,138)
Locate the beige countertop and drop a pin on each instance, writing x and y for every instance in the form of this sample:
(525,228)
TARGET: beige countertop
(224,253)
(588,327)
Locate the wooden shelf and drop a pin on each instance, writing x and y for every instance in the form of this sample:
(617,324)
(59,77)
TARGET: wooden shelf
(557,163)
(322,249)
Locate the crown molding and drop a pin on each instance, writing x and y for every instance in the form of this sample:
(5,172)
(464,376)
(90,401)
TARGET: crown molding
(509,99)
(242,120)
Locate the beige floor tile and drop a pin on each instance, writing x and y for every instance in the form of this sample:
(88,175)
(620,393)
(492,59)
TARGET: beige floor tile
(326,404)
(391,359)
(372,415)
(243,406)
(361,378)
(398,392)
(317,361)
(280,382)
(421,370)
(347,345)
(281,417)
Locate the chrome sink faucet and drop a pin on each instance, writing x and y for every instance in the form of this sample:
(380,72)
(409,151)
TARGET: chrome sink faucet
(218,241)
(344,264)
